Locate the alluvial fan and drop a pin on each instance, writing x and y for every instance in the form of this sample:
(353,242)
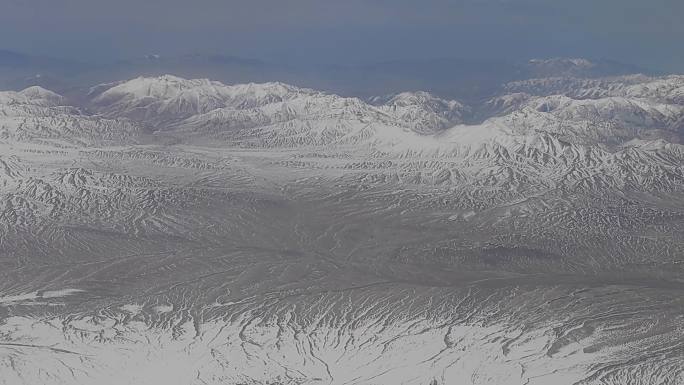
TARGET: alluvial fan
(176,231)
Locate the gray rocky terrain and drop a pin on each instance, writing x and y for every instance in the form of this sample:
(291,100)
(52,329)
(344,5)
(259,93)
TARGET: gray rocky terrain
(173,231)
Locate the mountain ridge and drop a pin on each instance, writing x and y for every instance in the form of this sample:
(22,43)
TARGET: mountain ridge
(180,231)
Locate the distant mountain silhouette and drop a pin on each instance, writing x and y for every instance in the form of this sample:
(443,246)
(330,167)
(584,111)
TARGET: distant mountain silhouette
(464,79)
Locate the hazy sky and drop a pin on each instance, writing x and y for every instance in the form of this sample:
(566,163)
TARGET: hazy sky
(643,32)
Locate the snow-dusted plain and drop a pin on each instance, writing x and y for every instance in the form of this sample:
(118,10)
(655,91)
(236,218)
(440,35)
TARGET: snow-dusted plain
(177,232)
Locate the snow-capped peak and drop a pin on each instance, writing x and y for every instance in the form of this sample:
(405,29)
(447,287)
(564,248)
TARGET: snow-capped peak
(38,92)
(424,112)
(35,95)
(166,98)
(566,62)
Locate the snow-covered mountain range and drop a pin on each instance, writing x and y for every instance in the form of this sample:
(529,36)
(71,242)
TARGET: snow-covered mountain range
(176,231)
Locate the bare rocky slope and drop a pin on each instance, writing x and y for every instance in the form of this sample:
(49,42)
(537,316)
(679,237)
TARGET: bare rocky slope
(177,231)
